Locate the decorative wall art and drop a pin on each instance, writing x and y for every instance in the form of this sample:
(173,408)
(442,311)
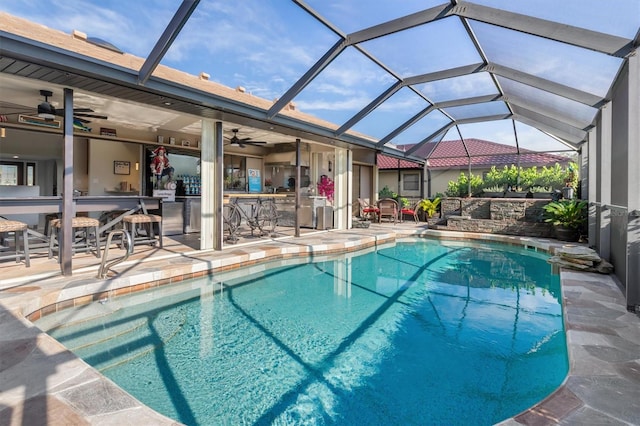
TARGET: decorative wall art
(122,167)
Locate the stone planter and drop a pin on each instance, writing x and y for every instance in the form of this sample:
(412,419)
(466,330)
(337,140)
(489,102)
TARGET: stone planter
(492,194)
(542,195)
(518,194)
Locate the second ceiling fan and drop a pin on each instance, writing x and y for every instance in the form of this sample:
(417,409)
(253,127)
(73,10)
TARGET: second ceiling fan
(242,142)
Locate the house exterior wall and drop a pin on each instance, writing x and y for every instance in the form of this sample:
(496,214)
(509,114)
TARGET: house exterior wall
(436,180)
(440,179)
(388,178)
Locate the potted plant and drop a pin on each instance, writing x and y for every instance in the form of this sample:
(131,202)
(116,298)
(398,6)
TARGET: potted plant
(429,207)
(541,191)
(515,192)
(495,191)
(567,217)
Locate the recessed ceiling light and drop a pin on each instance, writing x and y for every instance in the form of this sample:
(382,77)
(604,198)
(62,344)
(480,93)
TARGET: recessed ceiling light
(15,156)
(167,103)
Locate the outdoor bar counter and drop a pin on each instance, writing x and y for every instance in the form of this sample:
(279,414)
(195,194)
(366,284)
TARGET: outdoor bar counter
(17,208)
(183,214)
(309,205)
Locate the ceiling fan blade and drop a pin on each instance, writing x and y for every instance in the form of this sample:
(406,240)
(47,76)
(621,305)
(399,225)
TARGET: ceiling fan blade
(98,116)
(61,110)
(82,120)
(256,142)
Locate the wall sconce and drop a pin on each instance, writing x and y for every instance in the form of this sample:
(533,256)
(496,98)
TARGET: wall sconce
(3,132)
(330,164)
(137,166)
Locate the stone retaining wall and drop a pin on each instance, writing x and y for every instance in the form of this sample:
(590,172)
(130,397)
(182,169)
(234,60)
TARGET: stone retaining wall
(509,216)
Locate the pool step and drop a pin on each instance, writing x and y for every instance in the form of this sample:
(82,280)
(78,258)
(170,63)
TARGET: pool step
(110,341)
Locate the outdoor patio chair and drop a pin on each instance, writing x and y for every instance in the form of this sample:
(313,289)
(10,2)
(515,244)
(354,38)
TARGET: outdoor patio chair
(366,209)
(388,208)
(410,211)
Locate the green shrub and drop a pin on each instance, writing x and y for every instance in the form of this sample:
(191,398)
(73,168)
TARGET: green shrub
(386,193)
(461,187)
(554,177)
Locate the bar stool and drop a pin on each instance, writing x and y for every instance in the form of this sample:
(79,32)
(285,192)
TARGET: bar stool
(147,220)
(17,228)
(86,224)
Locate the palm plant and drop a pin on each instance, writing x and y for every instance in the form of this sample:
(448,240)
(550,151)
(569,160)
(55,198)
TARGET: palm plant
(429,207)
(566,213)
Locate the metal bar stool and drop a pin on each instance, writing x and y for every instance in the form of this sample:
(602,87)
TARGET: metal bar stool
(131,223)
(85,224)
(17,228)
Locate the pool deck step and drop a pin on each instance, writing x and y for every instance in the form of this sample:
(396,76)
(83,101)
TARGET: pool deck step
(106,342)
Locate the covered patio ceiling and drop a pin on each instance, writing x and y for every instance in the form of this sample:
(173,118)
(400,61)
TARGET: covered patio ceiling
(391,76)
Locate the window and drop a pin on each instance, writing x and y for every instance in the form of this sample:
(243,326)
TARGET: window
(411,182)
(31,174)
(11,173)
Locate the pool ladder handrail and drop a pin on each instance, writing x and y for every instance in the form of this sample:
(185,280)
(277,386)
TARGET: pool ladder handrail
(104,268)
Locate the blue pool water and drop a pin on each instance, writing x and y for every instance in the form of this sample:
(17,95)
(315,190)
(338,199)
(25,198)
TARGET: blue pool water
(424,333)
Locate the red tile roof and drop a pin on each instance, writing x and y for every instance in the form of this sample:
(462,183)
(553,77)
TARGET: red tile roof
(451,154)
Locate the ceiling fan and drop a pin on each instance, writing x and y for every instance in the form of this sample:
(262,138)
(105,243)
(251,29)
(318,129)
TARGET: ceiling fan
(49,112)
(242,142)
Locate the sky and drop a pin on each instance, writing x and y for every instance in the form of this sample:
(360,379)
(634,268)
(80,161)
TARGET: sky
(266,46)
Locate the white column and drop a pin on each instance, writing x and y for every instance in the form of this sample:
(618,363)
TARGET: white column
(342,189)
(211,192)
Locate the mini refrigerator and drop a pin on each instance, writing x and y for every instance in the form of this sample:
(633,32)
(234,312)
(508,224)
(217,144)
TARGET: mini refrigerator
(324,217)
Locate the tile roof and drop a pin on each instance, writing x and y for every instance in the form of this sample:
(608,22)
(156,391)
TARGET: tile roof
(452,154)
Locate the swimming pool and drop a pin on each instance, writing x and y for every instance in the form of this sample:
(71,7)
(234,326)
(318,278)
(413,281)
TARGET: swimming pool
(411,333)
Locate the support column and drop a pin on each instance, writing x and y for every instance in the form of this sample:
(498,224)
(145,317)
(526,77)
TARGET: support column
(65,243)
(343,191)
(603,182)
(209,182)
(633,193)
(589,185)
(218,187)
(297,190)
(375,183)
